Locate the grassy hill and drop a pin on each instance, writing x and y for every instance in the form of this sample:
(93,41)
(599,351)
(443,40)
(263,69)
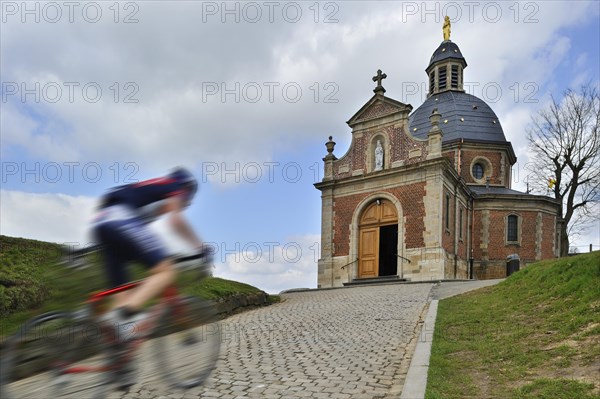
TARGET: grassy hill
(535,335)
(23,264)
(32,282)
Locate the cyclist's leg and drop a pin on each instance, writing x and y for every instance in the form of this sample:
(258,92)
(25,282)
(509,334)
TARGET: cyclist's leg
(162,275)
(125,240)
(114,253)
(136,241)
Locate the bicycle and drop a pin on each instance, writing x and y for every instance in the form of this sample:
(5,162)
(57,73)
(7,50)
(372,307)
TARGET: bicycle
(78,348)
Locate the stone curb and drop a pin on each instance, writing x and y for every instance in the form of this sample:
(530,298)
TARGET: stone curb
(416,378)
(435,281)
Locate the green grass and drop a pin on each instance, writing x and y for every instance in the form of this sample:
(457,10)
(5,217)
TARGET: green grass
(32,282)
(524,338)
(544,388)
(215,288)
(22,264)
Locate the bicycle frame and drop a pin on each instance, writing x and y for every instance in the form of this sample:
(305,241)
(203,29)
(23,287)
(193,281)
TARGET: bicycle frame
(168,297)
(168,293)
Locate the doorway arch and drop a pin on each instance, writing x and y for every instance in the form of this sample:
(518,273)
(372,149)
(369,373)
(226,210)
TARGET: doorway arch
(378,235)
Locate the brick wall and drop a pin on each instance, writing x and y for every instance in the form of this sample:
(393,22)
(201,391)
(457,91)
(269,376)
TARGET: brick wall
(548,236)
(497,228)
(401,145)
(489,270)
(494,157)
(343,208)
(497,247)
(462,242)
(450,155)
(411,200)
(528,236)
(376,110)
(477,234)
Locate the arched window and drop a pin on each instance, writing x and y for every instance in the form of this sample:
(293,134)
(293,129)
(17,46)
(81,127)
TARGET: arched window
(512,228)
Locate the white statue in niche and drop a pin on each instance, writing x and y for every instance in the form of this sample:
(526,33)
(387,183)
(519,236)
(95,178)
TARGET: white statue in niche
(378,156)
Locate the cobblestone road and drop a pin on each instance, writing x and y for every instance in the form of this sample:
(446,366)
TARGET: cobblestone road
(343,343)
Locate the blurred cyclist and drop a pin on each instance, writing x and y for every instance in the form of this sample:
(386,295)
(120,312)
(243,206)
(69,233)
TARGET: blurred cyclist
(121,228)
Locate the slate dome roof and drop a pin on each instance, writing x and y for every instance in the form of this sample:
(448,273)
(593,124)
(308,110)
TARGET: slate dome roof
(463,116)
(447,49)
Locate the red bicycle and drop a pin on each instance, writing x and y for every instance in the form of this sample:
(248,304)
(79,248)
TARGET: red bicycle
(72,353)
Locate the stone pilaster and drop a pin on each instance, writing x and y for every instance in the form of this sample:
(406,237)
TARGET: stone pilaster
(435,135)
(325,265)
(539,225)
(485,234)
(433,257)
(503,175)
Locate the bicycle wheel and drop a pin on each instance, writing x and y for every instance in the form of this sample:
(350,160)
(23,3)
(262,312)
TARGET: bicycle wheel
(43,360)
(188,343)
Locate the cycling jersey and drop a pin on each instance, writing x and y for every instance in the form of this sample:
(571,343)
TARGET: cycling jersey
(125,237)
(121,225)
(145,198)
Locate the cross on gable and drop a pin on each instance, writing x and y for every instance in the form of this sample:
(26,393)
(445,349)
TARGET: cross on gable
(378,78)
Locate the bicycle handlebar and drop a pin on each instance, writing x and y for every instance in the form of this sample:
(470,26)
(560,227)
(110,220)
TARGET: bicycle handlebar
(206,255)
(75,258)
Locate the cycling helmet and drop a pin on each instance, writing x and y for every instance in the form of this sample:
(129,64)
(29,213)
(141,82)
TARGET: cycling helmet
(187,180)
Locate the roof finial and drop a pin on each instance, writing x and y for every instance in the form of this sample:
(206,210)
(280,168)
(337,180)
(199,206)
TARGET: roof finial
(378,78)
(446,28)
(330,145)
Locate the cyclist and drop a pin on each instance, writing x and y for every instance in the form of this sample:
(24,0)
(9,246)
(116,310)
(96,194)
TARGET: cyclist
(121,228)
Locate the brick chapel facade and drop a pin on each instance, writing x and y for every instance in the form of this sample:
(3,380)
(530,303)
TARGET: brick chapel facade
(426,194)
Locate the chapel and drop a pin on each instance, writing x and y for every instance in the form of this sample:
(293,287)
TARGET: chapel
(426,194)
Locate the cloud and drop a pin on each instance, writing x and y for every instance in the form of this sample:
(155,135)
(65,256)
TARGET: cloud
(207,88)
(58,218)
(271,266)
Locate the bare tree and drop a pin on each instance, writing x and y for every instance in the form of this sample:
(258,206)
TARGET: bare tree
(565,146)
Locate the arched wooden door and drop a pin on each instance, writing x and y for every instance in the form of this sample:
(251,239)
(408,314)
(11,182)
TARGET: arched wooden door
(376,239)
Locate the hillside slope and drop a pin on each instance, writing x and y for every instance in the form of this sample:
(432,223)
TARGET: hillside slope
(32,281)
(23,264)
(535,335)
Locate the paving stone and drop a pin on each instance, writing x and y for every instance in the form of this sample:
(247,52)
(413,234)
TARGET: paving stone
(212,394)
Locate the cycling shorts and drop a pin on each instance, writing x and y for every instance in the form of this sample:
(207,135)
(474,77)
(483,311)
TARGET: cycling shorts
(124,237)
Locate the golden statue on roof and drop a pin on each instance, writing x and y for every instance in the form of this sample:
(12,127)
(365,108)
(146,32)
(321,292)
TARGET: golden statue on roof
(446,28)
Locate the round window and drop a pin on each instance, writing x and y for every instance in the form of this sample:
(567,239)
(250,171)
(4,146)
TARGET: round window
(478,170)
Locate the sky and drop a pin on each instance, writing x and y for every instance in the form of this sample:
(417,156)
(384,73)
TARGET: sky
(245,94)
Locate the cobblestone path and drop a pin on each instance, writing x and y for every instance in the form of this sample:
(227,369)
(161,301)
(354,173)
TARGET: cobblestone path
(342,343)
